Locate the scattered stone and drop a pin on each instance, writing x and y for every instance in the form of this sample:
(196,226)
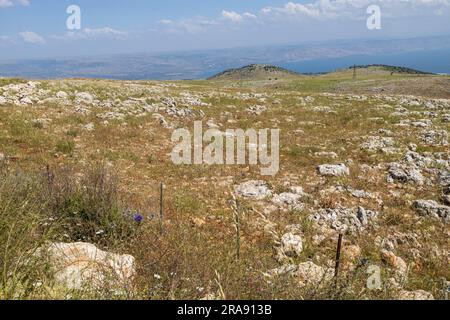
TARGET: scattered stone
(375,143)
(309,273)
(333,170)
(89,127)
(254,189)
(344,219)
(415,295)
(291,245)
(257,110)
(397,263)
(212,125)
(111,116)
(288,201)
(287,269)
(26,100)
(432,209)
(351,253)
(403,174)
(62,95)
(84,98)
(435,137)
(162,121)
(444,178)
(361,194)
(324,154)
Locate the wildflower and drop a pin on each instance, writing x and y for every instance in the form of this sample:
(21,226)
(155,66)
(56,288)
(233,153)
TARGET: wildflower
(138,217)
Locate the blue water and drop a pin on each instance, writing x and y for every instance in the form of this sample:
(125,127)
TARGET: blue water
(435,61)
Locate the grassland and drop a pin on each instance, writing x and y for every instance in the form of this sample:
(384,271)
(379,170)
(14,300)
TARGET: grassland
(191,254)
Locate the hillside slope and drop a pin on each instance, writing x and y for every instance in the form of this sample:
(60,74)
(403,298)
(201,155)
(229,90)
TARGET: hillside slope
(255,72)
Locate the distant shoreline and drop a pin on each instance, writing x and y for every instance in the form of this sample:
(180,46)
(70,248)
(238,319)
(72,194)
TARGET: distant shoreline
(200,68)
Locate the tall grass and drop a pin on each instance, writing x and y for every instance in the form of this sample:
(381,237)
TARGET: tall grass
(43,206)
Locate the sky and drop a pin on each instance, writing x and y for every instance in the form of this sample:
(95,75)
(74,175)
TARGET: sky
(38,28)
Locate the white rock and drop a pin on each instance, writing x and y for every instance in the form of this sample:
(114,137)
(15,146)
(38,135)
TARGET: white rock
(253,189)
(84,97)
(61,95)
(289,201)
(3,100)
(82,266)
(325,154)
(432,209)
(375,143)
(309,273)
(334,170)
(415,295)
(26,100)
(89,127)
(404,174)
(291,245)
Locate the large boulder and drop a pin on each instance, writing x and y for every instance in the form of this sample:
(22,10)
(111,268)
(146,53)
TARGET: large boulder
(82,266)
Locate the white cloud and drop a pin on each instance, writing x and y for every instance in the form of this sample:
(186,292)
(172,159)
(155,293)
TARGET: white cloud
(232,16)
(355,9)
(106,31)
(249,15)
(190,26)
(32,37)
(11,3)
(165,21)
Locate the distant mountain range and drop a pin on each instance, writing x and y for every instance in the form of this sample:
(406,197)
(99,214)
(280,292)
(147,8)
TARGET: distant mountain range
(427,54)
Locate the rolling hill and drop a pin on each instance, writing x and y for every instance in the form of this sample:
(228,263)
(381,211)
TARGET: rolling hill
(255,72)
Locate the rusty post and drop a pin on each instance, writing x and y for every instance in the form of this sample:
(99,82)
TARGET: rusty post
(338,258)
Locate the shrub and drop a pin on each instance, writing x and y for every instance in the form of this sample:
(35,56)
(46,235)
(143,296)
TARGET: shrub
(65,146)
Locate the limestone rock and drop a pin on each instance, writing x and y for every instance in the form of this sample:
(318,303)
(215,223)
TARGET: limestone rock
(432,209)
(291,244)
(309,273)
(333,170)
(253,189)
(415,295)
(78,266)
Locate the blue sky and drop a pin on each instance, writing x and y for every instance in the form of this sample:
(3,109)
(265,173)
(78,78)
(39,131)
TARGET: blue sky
(37,28)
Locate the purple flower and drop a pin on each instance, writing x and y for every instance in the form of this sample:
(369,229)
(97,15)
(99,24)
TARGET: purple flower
(138,217)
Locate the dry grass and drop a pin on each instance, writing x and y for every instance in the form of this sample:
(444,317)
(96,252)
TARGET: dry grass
(194,254)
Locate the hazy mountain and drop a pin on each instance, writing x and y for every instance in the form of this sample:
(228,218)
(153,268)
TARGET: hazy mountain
(254,72)
(427,54)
